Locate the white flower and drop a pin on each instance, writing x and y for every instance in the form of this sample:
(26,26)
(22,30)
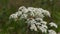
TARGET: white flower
(31,8)
(38,24)
(40,10)
(13,16)
(33,27)
(23,16)
(38,15)
(31,14)
(31,21)
(19,13)
(47,13)
(39,19)
(45,26)
(42,29)
(44,22)
(52,32)
(20,8)
(34,18)
(53,24)
(23,9)
(42,25)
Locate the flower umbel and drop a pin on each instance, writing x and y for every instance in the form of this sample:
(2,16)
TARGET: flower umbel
(34,18)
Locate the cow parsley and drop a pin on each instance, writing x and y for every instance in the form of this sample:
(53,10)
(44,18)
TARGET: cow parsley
(34,18)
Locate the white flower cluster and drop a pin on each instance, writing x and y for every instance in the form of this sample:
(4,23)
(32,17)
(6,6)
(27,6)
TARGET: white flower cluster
(52,32)
(37,23)
(53,24)
(30,12)
(34,17)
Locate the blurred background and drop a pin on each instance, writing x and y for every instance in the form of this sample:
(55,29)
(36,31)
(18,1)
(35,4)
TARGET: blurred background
(7,7)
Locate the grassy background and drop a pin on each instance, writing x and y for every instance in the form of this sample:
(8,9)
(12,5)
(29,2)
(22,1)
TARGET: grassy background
(8,7)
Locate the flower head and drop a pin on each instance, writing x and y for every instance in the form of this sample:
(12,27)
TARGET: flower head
(52,32)
(34,18)
(53,24)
